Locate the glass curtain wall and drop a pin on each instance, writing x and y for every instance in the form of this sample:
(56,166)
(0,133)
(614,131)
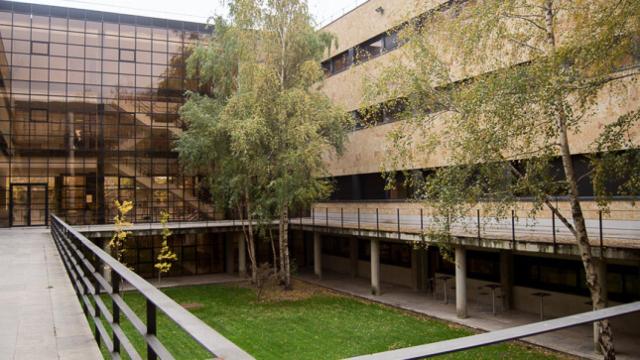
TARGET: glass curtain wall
(88,114)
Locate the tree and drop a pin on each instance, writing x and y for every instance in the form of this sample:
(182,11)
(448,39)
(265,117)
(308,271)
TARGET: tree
(117,244)
(166,257)
(260,132)
(497,89)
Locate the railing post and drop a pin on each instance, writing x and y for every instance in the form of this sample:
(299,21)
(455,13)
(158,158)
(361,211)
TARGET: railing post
(358,221)
(601,235)
(313,216)
(513,229)
(478,218)
(326,216)
(151,328)
(96,291)
(398,220)
(421,221)
(553,229)
(115,285)
(341,218)
(377,222)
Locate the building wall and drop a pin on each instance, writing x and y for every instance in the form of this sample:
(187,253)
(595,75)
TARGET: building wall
(89,110)
(367,148)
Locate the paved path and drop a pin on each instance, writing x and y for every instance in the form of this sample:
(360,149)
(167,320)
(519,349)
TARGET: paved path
(40,316)
(575,341)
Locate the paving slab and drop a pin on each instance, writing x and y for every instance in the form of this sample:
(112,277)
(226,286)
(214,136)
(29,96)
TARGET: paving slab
(40,316)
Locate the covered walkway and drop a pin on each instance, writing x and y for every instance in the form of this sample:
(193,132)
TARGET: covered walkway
(576,341)
(40,316)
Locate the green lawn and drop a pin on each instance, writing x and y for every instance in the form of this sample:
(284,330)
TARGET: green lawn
(319,326)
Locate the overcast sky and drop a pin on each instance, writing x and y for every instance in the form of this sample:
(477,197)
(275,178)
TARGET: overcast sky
(192,10)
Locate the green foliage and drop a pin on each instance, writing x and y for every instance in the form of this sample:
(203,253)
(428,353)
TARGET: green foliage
(117,244)
(166,257)
(486,83)
(260,132)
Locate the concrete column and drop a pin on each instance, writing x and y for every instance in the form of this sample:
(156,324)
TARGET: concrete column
(375,267)
(601,267)
(242,255)
(461,282)
(353,255)
(317,254)
(415,269)
(506,279)
(229,254)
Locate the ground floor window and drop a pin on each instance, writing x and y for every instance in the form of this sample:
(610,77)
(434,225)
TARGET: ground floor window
(395,254)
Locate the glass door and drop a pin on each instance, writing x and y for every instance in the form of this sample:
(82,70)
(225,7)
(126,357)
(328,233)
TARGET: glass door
(29,206)
(19,205)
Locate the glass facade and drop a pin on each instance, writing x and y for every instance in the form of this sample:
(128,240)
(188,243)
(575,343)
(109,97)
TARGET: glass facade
(88,114)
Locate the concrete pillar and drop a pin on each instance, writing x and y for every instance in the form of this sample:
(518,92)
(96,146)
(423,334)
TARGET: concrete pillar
(506,279)
(229,254)
(461,282)
(601,267)
(375,267)
(415,269)
(353,255)
(242,255)
(317,254)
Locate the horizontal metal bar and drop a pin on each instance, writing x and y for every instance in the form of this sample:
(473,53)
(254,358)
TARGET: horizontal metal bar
(488,338)
(125,343)
(130,314)
(104,335)
(196,328)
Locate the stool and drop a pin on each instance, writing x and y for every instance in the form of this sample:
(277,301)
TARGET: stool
(541,295)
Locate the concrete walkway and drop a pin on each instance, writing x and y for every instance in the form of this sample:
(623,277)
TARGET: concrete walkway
(40,315)
(575,341)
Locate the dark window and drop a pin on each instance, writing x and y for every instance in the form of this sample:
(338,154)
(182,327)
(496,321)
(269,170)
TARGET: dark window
(40,48)
(394,254)
(326,66)
(336,246)
(341,62)
(483,265)
(369,49)
(39,115)
(127,55)
(391,40)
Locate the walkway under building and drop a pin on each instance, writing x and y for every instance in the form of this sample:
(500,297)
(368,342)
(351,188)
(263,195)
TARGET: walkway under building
(577,341)
(40,316)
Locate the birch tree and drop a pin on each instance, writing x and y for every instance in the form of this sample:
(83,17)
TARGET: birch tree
(261,131)
(498,88)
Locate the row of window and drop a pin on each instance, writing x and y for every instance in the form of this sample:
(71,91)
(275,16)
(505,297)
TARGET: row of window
(58,57)
(58,72)
(44,16)
(395,254)
(18,42)
(363,52)
(39,90)
(77,37)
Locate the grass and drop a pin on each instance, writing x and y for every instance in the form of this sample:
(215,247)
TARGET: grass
(314,325)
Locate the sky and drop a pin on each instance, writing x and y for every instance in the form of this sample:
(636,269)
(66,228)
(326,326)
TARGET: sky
(193,10)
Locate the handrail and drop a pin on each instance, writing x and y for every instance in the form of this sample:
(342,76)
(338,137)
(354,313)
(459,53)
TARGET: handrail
(84,260)
(493,337)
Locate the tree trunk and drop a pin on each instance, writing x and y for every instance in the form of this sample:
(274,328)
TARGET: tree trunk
(250,240)
(275,255)
(284,249)
(605,334)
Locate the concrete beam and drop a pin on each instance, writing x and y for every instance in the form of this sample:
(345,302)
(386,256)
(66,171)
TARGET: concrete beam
(375,266)
(461,282)
(317,254)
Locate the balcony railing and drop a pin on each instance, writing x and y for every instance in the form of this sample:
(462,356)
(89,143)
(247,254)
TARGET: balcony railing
(620,228)
(87,265)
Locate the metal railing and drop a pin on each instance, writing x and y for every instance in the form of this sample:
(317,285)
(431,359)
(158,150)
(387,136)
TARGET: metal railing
(619,226)
(85,263)
(493,337)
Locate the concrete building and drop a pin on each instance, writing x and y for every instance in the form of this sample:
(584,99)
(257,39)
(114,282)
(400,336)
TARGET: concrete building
(88,110)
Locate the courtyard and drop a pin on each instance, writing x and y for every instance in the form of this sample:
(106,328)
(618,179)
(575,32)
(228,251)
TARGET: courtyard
(307,323)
